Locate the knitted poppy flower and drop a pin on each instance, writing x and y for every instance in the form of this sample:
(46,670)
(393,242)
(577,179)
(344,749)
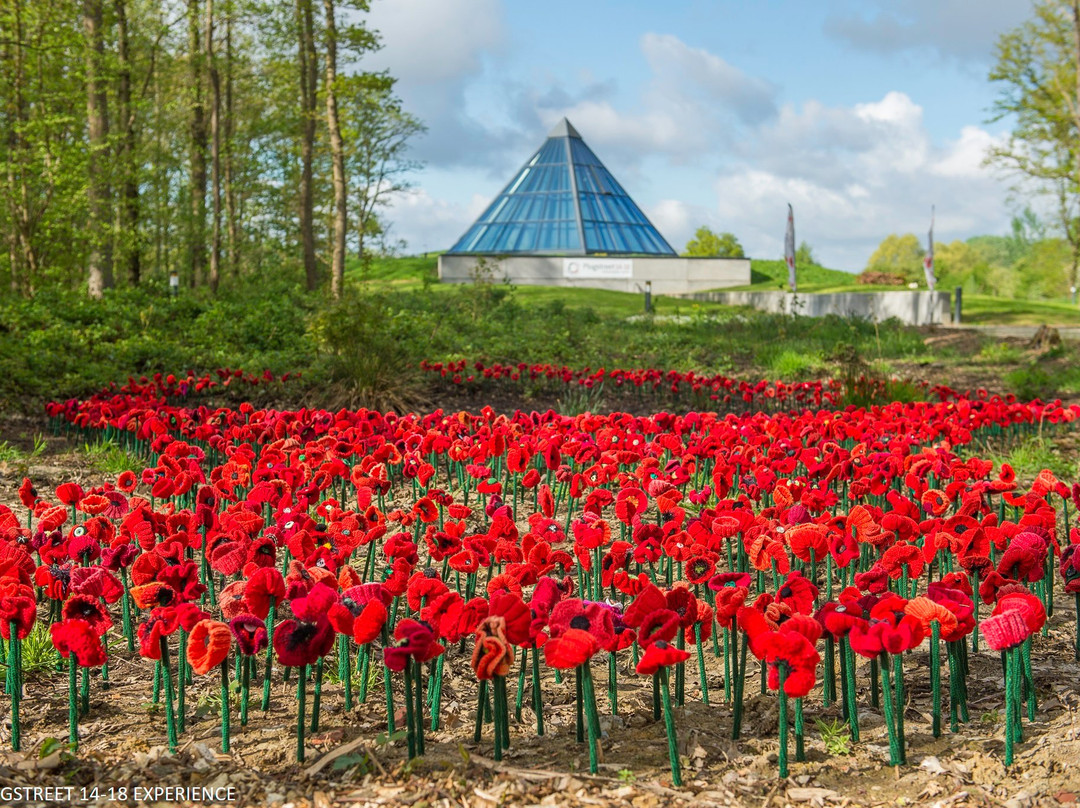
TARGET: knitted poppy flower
(74,636)
(797,592)
(265,583)
(127,481)
(416,640)
(493,655)
(20,609)
(517,618)
(794,652)
(423,586)
(97,582)
(1005,630)
(683,602)
(869,639)
(316,604)
(659,655)
(28,494)
(571,648)
(700,568)
(250,634)
(162,622)
(1069,567)
(208,645)
(1029,606)
(660,625)
(728,602)
(1025,557)
(926,611)
(88,609)
(152,595)
(301,642)
(585,616)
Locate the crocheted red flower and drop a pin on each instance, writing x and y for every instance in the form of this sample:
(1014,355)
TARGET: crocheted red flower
(660,655)
(78,637)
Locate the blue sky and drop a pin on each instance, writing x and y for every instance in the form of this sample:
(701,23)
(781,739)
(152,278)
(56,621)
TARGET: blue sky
(860,114)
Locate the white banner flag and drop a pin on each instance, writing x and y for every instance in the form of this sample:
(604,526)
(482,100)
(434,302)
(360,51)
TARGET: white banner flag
(928,260)
(789,247)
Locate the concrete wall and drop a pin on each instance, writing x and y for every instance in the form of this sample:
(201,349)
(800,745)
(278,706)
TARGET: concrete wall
(669,276)
(912,308)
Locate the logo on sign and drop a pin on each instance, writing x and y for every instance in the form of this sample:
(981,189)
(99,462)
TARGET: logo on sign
(598,268)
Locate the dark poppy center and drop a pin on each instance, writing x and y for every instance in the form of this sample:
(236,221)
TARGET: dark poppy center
(431,573)
(661,645)
(785,592)
(581,622)
(301,635)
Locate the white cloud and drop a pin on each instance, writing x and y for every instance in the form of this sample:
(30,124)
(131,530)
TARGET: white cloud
(956,30)
(854,176)
(430,223)
(436,49)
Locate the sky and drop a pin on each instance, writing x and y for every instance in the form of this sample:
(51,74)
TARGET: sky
(859,113)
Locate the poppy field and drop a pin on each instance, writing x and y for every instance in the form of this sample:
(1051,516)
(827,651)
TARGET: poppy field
(770,582)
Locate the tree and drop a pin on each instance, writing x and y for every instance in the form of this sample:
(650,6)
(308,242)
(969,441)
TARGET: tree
(804,256)
(197,150)
(898,255)
(337,156)
(308,69)
(99,266)
(1037,69)
(707,244)
(377,138)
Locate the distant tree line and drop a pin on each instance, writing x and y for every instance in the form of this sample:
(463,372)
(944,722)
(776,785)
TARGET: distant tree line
(1027,263)
(207,138)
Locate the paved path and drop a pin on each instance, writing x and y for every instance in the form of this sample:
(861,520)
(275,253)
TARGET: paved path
(1071,332)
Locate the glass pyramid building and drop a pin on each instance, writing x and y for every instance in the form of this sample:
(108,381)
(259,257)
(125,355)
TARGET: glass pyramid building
(563,201)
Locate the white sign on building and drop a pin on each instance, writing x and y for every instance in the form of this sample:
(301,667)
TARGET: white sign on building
(598,268)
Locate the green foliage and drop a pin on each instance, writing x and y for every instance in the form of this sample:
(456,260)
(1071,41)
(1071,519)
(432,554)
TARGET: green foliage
(367,358)
(39,657)
(707,244)
(1032,456)
(1030,383)
(108,458)
(1000,353)
(789,364)
(804,255)
(836,735)
(774,274)
(899,255)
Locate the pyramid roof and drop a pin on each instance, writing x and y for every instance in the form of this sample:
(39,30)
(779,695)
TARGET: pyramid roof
(563,201)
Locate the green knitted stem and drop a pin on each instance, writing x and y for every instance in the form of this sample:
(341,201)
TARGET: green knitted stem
(410,721)
(669,728)
(73,711)
(890,718)
(740,680)
(301,696)
(656,704)
(245,690)
(935,674)
(537,702)
(498,710)
(898,687)
(829,686)
(316,703)
(782,670)
(125,612)
(800,745)
(436,696)
(418,715)
(1029,680)
(701,665)
(875,700)
(363,663)
(1010,732)
(853,709)
(84,693)
(727,665)
(613,684)
(579,726)
(680,671)
(157,682)
(391,724)
(225,705)
(170,716)
(345,671)
(268,670)
(519,698)
(481,700)
(593,720)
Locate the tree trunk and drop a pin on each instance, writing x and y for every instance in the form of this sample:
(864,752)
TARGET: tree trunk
(197,227)
(230,191)
(129,208)
(337,155)
(308,80)
(99,272)
(215,150)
